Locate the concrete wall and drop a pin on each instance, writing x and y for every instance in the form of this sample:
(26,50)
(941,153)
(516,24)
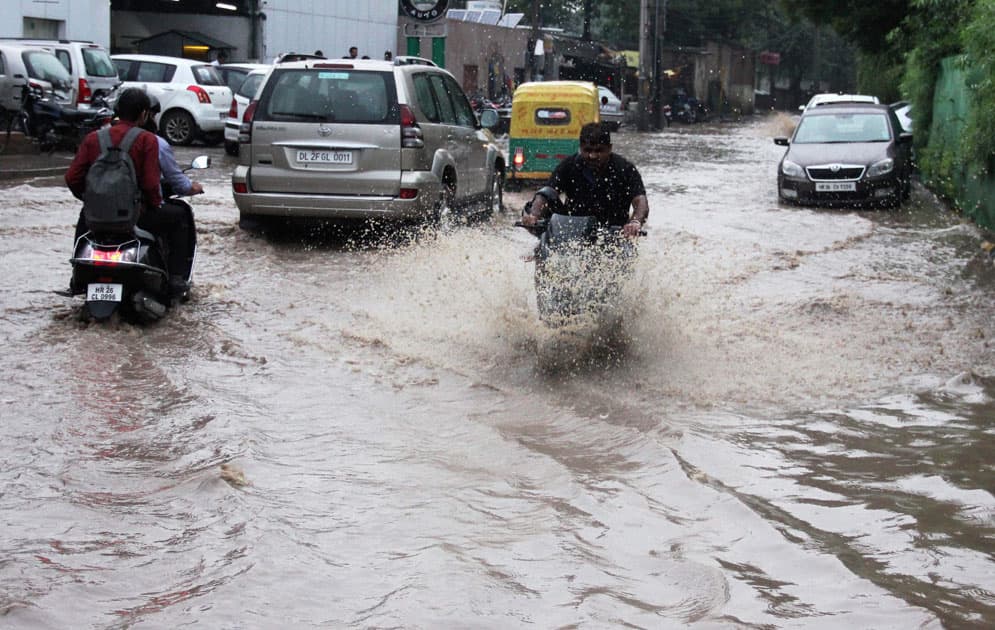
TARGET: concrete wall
(74,19)
(331,26)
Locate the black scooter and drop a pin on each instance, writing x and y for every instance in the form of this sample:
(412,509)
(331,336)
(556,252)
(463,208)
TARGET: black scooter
(128,272)
(54,125)
(581,267)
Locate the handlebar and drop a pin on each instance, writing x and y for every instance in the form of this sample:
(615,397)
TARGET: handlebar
(541,224)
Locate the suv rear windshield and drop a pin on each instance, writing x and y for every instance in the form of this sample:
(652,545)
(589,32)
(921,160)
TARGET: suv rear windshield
(98,63)
(207,75)
(329,95)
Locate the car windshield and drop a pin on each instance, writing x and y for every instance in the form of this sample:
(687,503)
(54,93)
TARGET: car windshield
(45,66)
(339,95)
(830,128)
(207,75)
(98,63)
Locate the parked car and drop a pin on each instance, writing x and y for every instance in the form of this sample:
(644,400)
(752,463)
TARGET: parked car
(90,68)
(20,64)
(829,98)
(611,108)
(846,153)
(364,139)
(243,95)
(194,98)
(235,73)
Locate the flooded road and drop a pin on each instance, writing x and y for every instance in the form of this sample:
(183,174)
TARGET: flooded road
(797,432)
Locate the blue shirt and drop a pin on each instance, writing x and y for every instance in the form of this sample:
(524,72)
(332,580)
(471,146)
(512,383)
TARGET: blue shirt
(171,173)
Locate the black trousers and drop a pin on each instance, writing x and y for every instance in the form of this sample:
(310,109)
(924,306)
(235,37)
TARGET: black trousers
(173,223)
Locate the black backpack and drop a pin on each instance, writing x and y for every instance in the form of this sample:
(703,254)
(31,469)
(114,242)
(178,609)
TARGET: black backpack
(112,200)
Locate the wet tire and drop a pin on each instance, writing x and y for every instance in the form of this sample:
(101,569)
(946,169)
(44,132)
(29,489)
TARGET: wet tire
(444,213)
(231,148)
(178,127)
(495,198)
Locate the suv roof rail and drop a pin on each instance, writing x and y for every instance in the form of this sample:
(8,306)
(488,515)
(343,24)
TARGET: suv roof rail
(406,60)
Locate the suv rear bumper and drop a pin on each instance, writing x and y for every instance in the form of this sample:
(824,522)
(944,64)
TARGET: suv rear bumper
(331,206)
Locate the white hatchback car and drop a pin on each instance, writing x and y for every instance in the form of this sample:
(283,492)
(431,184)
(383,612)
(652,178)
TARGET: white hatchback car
(194,97)
(611,108)
(829,97)
(247,89)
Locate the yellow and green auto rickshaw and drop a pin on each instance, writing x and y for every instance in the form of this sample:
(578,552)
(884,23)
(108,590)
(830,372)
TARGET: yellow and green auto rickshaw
(546,118)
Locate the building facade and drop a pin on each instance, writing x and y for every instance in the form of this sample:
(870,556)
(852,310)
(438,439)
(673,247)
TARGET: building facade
(87,20)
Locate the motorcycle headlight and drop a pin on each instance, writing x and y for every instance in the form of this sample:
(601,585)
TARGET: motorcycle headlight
(791,169)
(883,167)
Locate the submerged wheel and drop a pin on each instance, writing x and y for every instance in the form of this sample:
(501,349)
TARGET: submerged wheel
(444,213)
(495,199)
(231,148)
(178,127)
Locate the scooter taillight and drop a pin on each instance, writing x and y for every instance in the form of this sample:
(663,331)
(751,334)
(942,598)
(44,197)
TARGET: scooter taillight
(107,256)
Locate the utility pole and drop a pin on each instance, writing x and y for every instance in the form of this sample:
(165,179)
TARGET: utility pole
(533,38)
(646,63)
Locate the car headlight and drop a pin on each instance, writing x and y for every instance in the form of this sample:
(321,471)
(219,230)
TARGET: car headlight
(883,167)
(791,169)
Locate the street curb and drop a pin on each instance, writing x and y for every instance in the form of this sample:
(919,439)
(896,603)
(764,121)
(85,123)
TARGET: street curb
(33,172)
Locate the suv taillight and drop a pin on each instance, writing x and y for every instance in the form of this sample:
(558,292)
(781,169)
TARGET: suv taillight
(411,135)
(202,96)
(85,94)
(233,110)
(245,129)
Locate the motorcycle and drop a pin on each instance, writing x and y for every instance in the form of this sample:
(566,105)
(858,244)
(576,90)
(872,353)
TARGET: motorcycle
(53,125)
(128,272)
(581,267)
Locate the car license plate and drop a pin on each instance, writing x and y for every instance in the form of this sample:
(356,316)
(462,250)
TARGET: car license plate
(103,292)
(835,186)
(324,157)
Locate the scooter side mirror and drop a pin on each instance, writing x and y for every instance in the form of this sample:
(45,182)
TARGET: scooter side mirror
(201,161)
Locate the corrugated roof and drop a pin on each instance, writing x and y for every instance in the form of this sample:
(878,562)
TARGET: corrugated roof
(193,36)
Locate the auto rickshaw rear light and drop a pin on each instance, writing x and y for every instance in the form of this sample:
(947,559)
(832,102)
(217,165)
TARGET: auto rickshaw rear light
(202,96)
(84,93)
(240,187)
(408,193)
(519,158)
(411,135)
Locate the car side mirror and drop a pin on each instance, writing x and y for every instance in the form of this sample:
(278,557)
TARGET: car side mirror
(201,162)
(489,119)
(781,142)
(801,108)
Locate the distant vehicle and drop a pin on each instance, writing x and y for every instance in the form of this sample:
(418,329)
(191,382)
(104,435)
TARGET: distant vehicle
(829,98)
(846,153)
(89,66)
(611,108)
(240,100)
(195,100)
(351,139)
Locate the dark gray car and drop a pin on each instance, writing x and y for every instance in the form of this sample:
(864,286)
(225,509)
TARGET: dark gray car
(846,154)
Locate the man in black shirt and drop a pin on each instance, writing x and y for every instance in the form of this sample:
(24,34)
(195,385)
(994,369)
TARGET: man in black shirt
(596,182)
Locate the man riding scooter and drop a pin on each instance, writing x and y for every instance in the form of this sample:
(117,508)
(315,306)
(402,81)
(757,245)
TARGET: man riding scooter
(171,223)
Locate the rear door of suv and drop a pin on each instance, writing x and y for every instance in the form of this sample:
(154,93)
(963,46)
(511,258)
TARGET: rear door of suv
(327,129)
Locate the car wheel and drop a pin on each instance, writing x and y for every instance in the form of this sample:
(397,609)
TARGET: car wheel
(231,148)
(495,200)
(177,127)
(444,213)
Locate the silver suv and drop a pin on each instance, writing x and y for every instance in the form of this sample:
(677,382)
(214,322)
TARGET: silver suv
(365,139)
(88,64)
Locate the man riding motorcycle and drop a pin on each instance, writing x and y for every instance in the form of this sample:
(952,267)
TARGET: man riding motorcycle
(596,183)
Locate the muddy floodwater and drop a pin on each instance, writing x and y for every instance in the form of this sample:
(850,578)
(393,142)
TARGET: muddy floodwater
(795,430)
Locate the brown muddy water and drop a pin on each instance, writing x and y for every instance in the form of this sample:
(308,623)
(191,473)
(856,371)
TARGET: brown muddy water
(795,431)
